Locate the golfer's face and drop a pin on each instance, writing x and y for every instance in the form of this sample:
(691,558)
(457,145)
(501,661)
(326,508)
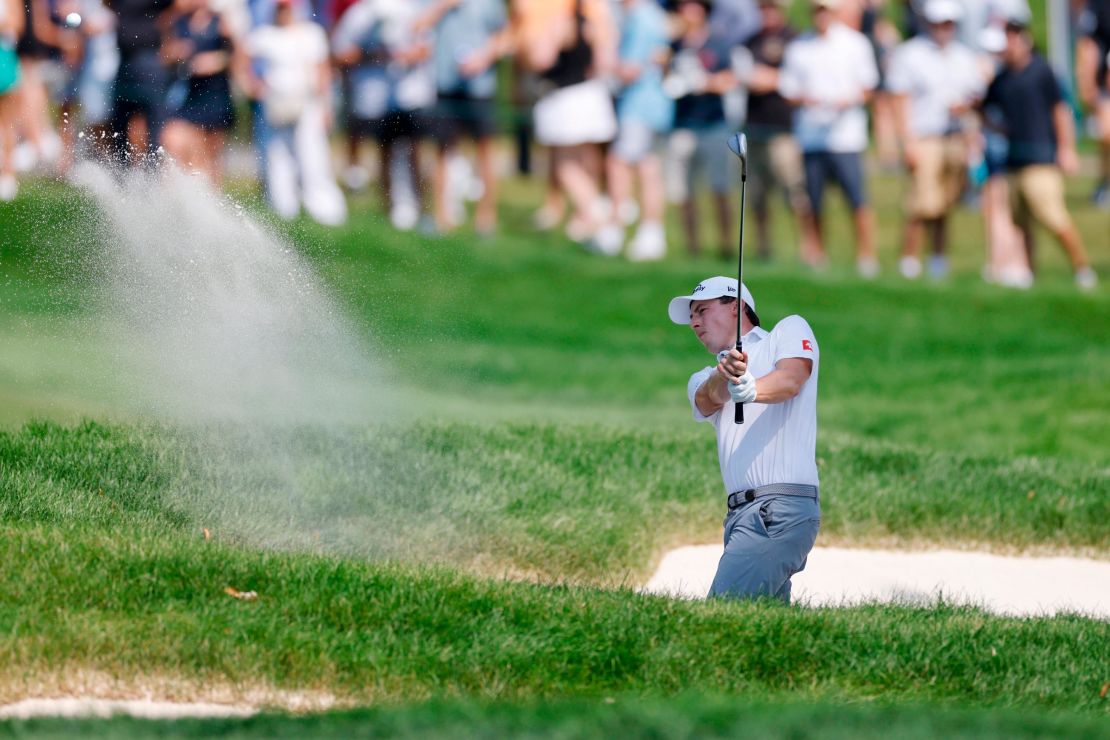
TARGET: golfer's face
(714,323)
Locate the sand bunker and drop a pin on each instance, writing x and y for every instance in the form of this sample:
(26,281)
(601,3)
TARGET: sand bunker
(145,708)
(1021,586)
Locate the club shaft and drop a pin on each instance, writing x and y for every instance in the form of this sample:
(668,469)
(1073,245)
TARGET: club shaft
(740,275)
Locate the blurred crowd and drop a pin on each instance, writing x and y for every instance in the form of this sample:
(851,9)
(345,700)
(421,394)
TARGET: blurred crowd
(630,101)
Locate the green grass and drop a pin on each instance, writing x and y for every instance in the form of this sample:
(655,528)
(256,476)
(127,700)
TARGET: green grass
(140,605)
(682,717)
(546,435)
(591,503)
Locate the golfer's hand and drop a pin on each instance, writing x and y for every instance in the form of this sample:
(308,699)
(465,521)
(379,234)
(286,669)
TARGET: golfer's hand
(732,364)
(744,390)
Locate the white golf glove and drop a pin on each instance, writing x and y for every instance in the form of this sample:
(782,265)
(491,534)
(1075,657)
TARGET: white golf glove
(744,391)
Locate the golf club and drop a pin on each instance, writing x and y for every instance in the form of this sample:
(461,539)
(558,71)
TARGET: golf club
(738,143)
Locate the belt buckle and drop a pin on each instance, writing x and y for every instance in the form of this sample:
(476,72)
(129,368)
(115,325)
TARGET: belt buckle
(739,498)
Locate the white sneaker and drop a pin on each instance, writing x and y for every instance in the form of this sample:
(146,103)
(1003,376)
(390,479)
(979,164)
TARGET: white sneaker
(356,177)
(9,187)
(1086,279)
(404,215)
(608,240)
(649,243)
(51,148)
(24,157)
(910,267)
(1015,277)
(628,212)
(867,267)
(938,267)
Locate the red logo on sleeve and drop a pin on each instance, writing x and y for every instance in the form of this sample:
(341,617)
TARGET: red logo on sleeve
(807,345)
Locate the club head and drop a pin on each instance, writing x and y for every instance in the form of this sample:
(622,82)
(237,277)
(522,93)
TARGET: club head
(738,143)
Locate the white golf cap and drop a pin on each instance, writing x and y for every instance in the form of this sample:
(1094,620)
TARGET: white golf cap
(992,40)
(714,287)
(943,11)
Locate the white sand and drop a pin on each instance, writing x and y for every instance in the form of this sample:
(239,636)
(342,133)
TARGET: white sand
(145,708)
(1020,586)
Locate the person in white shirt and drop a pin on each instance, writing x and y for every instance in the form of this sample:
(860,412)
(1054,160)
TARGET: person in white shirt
(294,89)
(936,81)
(830,74)
(768,463)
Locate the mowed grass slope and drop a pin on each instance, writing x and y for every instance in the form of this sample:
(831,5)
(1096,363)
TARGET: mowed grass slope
(546,434)
(682,717)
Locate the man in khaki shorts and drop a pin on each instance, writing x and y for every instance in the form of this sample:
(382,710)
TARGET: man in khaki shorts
(935,81)
(1041,131)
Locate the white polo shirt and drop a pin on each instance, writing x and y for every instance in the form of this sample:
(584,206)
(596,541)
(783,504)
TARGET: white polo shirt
(934,79)
(828,70)
(777,441)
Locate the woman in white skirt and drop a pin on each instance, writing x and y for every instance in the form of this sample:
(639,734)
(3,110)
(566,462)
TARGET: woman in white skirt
(570,44)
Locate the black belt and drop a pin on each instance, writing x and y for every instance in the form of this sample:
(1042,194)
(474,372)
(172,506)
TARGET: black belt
(738,499)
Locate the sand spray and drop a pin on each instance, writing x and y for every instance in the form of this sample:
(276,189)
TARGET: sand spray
(225,339)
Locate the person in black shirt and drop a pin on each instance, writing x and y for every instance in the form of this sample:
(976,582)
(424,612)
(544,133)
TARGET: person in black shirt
(1038,124)
(142,79)
(199,41)
(774,158)
(1092,54)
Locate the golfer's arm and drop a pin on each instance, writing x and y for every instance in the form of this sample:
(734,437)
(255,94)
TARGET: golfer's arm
(712,395)
(784,382)
(781,384)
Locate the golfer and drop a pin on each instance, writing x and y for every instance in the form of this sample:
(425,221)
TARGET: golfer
(768,463)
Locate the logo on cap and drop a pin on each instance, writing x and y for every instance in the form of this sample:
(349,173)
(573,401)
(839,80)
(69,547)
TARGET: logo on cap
(807,345)
(701,286)
(730,289)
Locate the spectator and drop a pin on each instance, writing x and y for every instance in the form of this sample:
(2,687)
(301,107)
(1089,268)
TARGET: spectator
(644,114)
(65,49)
(11,24)
(39,144)
(200,43)
(830,74)
(701,71)
(464,105)
(1006,261)
(294,88)
(774,159)
(139,94)
(571,46)
(1092,61)
(1042,145)
(87,106)
(390,83)
(936,81)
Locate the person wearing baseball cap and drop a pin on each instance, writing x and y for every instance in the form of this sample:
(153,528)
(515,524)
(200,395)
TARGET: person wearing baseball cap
(1037,119)
(768,463)
(830,75)
(936,81)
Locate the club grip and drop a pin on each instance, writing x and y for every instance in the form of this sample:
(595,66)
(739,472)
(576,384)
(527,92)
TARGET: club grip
(739,418)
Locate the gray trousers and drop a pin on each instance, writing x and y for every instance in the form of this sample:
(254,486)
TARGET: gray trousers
(766,542)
